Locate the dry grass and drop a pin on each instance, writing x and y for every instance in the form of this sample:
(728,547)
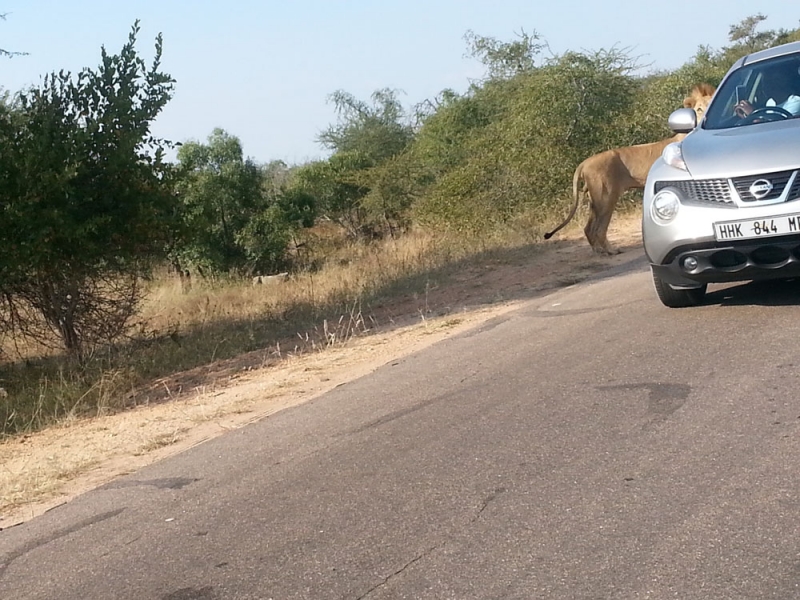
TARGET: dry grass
(216,321)
(184,340)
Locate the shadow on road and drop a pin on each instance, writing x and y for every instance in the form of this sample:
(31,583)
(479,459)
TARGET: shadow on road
(757,293)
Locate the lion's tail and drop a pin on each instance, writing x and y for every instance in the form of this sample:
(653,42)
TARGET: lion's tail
(576,198)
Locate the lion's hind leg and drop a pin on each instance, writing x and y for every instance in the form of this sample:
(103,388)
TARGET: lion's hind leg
(602,203)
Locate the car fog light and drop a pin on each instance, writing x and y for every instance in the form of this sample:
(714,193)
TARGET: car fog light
(665,206)
(690,263)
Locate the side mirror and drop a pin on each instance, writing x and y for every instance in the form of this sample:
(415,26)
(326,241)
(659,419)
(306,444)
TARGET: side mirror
(682,120)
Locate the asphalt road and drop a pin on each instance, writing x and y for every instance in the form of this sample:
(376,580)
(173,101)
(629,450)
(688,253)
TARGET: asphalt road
(592,445)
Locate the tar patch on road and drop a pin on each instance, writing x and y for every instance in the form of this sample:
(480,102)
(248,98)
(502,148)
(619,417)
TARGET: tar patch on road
(169,483)
(663,399)
(204,593)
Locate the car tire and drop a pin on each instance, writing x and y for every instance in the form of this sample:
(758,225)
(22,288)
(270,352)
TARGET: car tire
(680,298)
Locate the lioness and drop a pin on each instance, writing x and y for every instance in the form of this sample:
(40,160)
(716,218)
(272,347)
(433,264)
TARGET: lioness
(607,175)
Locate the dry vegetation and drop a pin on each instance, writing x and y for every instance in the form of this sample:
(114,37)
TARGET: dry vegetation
(209,358)
(181,329)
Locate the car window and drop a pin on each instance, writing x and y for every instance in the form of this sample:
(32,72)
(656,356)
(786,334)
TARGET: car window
(764,91)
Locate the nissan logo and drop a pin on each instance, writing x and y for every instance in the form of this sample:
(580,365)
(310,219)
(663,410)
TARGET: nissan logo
(760,188)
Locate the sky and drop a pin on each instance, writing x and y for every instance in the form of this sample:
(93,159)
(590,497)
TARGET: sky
(264,70)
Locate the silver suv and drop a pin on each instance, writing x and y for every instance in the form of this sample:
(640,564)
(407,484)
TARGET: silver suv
(723,204)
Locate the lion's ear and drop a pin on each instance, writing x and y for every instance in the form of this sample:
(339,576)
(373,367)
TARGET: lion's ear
(688,102)
(706,89)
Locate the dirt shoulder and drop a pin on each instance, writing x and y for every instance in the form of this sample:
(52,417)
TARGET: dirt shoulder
(48,468)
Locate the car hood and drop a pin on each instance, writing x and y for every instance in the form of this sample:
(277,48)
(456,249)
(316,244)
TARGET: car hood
(742,151)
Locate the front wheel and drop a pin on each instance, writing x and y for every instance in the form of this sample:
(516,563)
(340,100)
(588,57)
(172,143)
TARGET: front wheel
(679,298)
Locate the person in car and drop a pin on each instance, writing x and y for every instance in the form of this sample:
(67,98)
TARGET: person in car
(781,89)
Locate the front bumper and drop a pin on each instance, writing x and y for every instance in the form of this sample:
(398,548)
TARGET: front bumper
(772,258)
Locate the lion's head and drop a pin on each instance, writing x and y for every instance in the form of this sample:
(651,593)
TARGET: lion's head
(699,98)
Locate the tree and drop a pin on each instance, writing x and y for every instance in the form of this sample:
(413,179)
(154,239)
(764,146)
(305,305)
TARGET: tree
(376,132)
(221,192)
(338,187)
(238,217)
(504,60)
(366,137)
(744,34)
(86,199)
(266,235)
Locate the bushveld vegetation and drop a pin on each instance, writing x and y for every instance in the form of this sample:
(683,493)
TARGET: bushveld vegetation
(102,237)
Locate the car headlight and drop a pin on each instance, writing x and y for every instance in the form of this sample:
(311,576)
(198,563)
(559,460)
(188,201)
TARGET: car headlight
(673,156)
(665,206)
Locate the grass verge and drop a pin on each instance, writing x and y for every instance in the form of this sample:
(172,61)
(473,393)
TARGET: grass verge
(184,340)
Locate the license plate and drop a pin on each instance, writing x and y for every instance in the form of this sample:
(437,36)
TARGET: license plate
(757,228)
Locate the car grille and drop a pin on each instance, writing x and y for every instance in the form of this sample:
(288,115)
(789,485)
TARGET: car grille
(717,192)
(700,191)
(778,180)
(795,191)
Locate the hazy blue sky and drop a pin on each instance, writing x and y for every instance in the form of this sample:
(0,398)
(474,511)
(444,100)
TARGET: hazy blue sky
(263,70)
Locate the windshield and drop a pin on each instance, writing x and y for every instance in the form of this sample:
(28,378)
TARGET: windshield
(760,92)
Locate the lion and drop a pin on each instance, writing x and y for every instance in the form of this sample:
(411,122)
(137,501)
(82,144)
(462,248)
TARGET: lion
(607,175)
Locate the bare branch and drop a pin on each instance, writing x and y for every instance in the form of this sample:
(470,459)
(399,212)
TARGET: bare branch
(9,53)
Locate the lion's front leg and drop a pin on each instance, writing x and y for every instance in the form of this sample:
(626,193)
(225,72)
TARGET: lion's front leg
(602,245)
(607,249)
